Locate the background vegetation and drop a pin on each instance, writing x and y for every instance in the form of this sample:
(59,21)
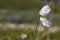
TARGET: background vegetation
(30,7)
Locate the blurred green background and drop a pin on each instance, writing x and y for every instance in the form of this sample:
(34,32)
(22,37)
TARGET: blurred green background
(26,11)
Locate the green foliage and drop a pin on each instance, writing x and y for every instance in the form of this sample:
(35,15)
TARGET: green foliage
(19,4)
(25,4)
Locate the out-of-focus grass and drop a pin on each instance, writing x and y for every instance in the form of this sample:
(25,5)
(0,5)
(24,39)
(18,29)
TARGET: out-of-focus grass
(13,34)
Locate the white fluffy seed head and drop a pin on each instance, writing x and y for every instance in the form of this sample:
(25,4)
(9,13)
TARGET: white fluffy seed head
(23,36)
(45,22)
(42,19)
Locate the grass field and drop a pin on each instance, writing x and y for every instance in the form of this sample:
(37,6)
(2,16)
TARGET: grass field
(7,33)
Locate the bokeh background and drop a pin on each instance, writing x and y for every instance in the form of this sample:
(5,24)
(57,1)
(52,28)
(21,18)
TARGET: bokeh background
(22,16)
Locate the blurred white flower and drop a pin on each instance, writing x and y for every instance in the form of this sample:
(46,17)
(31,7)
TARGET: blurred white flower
(42,19)
(45,22)
(23,36)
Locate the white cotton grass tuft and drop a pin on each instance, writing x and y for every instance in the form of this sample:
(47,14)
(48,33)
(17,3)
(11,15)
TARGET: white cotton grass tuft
(42,19)
(23,36)
(45,22)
